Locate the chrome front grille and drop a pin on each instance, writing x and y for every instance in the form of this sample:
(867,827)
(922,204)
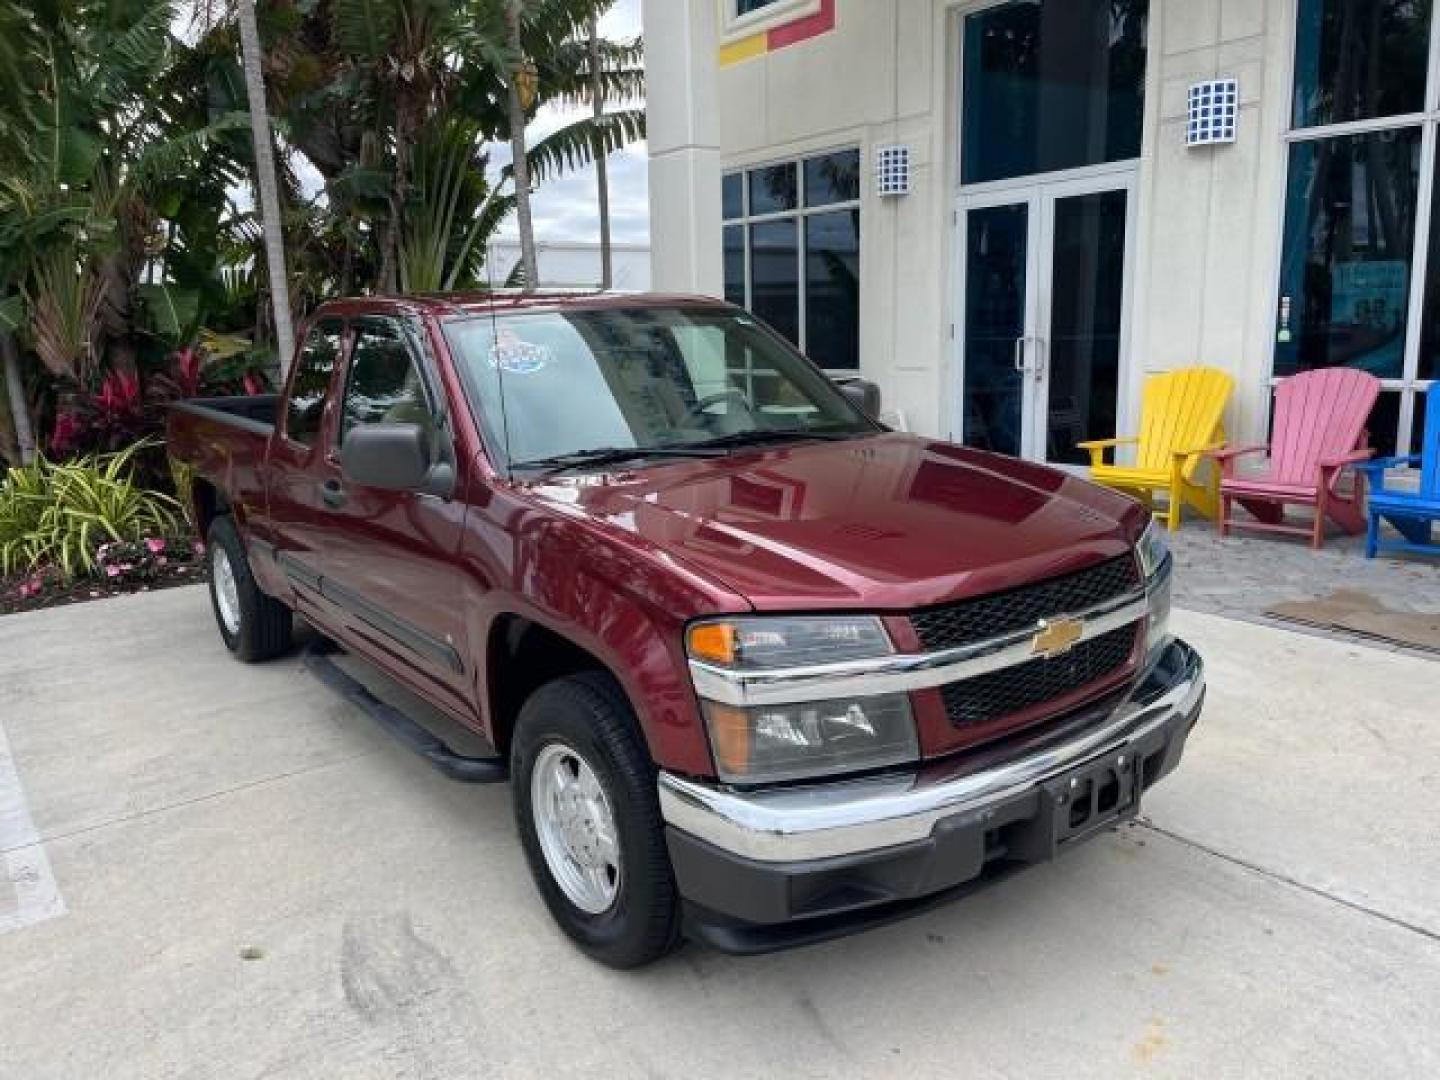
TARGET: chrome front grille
(998,614)
(1014,690)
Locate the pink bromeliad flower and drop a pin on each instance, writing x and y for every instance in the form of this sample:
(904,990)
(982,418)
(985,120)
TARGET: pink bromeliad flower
(155,544)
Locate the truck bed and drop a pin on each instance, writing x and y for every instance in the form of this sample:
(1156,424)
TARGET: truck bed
(225,440)
(253,412)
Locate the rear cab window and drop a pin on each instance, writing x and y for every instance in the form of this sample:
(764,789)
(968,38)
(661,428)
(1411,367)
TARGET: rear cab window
(305,408)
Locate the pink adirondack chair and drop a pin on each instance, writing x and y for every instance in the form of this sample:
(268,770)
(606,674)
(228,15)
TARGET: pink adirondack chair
(1320,419)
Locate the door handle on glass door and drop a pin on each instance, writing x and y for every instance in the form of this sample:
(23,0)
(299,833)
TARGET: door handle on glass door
(1020,365)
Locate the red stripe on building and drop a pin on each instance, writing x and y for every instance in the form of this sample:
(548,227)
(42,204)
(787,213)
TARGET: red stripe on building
(803,29)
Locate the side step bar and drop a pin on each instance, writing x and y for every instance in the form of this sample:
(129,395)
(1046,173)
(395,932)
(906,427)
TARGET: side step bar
(468,770)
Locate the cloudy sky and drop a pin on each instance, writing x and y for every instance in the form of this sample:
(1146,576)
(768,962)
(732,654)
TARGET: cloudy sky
(564,208)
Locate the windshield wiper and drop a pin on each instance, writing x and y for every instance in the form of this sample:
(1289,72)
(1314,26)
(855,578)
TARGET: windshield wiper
(769,435)
(609,455)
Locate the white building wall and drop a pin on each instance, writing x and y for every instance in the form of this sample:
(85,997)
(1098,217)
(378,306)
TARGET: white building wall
(1211,217)
(1208,220)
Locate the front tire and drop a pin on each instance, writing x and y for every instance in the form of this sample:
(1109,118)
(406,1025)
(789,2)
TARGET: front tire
(253,626)
(589,819)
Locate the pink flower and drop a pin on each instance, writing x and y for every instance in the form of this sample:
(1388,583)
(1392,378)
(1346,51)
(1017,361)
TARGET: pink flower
(112,571)
(198,547)
(155,544)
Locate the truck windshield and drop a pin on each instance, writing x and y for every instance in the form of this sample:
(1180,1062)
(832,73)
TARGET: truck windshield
(567,388)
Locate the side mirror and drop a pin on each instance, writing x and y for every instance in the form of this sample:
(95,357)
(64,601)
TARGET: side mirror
(863,394)
(394,457)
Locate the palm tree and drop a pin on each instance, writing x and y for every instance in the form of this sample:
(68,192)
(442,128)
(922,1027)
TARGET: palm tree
(265,183)
(602,165)
(521,75)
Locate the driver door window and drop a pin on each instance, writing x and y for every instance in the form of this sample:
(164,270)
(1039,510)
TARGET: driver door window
(384,385)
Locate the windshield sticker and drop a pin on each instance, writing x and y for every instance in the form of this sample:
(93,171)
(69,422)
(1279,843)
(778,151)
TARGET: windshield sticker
(515,357)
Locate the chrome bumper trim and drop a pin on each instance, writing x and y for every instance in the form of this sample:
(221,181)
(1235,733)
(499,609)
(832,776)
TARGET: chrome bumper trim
(899,673)
(849,817)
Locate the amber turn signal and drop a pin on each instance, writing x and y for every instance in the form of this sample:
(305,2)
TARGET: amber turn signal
(729,738)
(714,642)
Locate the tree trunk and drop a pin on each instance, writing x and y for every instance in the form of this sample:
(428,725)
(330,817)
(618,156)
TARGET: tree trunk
(520,165)
(266,185)
(602,166)
(19,407)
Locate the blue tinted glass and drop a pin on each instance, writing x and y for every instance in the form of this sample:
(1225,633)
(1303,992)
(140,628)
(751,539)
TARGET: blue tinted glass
(1087,299)
(775,276)
(1345,272)
(745,7)
(832,289)
(1356,59)
(732,192)
(773,189)
(734,243)
(1052,85)
(832,178)
(996,243)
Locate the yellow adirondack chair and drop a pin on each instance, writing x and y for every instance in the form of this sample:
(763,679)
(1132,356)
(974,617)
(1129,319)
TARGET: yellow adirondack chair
(1181,417)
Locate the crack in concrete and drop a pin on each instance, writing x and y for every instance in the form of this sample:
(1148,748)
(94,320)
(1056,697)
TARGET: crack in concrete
(1295,883)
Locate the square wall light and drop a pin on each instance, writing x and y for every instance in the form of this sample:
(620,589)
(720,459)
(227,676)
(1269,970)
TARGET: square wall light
(1214,110)
(892,171)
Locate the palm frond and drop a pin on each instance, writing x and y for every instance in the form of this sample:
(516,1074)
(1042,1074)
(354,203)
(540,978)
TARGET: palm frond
(576,145)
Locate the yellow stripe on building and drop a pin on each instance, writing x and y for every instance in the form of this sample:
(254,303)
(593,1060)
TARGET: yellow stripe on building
(745,49)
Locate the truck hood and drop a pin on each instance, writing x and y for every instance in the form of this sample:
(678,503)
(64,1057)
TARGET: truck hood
(891,522)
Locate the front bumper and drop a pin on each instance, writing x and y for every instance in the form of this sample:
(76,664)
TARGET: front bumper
(766,869)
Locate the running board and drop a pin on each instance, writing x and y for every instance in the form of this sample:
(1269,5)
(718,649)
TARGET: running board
(468,770)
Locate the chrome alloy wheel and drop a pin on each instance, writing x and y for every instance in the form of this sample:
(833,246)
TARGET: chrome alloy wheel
(576,828)
(227,593)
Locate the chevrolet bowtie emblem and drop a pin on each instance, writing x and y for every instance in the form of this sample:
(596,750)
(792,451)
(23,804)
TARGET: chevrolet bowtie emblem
(1056,637)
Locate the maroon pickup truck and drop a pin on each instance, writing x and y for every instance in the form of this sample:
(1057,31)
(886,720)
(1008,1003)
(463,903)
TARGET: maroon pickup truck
(760,671)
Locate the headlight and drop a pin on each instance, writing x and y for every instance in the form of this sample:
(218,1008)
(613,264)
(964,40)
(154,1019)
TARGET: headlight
(787,642)
(763,744)
(817,738)
(1153,549)
(1153,552)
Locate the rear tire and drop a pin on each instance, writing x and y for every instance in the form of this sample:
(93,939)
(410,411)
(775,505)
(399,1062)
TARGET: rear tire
(581,728)
(253,626)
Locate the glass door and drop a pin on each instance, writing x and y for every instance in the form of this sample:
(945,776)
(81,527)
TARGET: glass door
(997,327)
(1045,280)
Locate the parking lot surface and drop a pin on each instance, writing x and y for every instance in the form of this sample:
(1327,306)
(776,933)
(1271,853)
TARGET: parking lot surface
(212,870)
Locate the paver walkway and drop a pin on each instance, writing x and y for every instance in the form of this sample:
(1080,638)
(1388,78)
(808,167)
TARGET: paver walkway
(1241,576)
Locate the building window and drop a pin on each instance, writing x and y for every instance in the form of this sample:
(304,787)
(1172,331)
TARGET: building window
(1052,85)
(1355,265)
(792,251)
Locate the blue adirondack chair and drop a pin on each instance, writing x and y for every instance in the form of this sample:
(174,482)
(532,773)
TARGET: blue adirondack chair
(1412,513)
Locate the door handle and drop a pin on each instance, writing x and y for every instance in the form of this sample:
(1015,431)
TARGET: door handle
(1020,353)
(1039,369)
(332,494)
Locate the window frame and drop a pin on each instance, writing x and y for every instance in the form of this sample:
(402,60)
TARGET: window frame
(801,214)
(1409,386)
(735,26)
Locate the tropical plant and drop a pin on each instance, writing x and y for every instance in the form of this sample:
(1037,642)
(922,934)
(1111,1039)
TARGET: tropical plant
(58,514)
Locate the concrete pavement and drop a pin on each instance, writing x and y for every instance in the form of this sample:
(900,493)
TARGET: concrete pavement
(1278,913)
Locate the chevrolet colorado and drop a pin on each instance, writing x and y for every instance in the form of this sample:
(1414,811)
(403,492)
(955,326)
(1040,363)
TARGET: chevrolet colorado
(759,670)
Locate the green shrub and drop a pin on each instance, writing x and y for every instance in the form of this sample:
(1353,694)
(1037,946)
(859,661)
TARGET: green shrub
(58,514)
